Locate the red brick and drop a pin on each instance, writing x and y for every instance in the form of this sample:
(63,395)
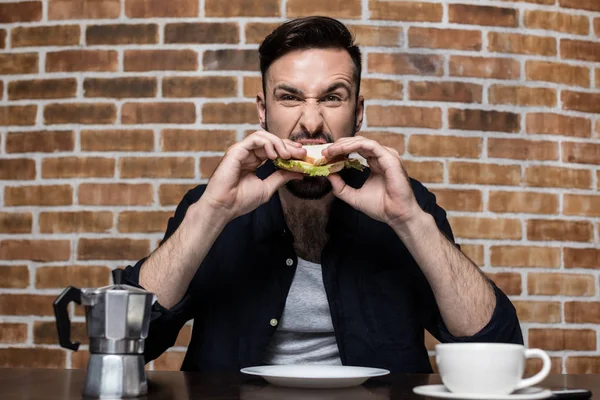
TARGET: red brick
(44,332)
(581,258)
(405,11)
(208,165)
(17,115)
(521,149)
(586,205)
(243,8)
(556,124)
(255,32)
(160,60)
(39,141)
(557,73)
(582,153)
(143,221)
(425,171)
(546,176)
(200,86)
(120,88)
(155,167)
(112,249)
(78,167)
(83,9)
(583,365)
(161,9)
(459,199)
(2,38)
(26,304)
(580,101)
(446,91)
(163,113)
(444,146)
(35,250)
(379,36)
(42,89)
(421,117)
(560,284)
(26,11)
(591,5)
(82,61)
(196,140)
(231,113)
(50,195)
(122,34)
(115,194)
(501,42)
(79,359)
(80,113)
(19,63)
(202,32)
(172,194)
(169,361)
(509,282)
(75,221)
(380,89)
(406,64)
(433,38)
(522,96)
(523,202)
(347,9)
(481,67)
(17,169)
(485,228)
(580,312)
(230,60)
(555,21)
(60,35)
(32,358)
(13,333)
(475,252)
(559,230)
(388,139)
(483,15)
(562,339)
(15,222)
(117,140)
(525,256)
(580,50)
(14,277)
(538,311)
(481,120)
(484,174)
(83,276)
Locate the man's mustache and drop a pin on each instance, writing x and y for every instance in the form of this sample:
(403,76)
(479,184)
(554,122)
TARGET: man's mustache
(304,135)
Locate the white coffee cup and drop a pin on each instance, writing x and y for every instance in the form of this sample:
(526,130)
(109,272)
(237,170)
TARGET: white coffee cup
(487,368)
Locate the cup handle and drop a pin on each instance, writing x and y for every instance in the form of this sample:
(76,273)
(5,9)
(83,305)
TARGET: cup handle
(540,376)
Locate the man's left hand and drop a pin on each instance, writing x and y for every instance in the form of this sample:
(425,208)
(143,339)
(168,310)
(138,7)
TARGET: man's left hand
(387,195)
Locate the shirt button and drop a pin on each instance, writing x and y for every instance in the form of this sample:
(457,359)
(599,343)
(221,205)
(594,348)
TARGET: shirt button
(273,322)
(289,262)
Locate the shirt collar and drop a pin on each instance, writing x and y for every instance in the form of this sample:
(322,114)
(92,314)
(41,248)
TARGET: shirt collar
(269,220)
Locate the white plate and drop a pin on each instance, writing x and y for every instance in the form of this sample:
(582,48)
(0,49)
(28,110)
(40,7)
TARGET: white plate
(441,392)
(315,376)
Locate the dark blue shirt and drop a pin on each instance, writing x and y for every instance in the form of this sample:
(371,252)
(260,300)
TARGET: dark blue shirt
(379,299)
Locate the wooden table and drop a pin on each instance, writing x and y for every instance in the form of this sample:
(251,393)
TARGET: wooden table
(48,384)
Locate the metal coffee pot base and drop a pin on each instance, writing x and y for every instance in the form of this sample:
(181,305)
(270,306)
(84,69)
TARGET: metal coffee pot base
(113,376)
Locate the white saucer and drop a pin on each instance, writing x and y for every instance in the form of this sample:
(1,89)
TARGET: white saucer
(315,376)
(441,392)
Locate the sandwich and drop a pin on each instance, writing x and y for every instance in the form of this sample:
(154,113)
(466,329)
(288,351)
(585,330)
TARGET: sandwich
(315,164)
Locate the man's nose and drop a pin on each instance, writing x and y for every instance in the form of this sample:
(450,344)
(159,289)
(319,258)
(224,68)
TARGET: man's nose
(312,118)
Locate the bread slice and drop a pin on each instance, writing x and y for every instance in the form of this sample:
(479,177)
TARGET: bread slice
(314,156)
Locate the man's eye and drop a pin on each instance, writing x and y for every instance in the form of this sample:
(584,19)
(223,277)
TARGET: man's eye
(332,97)
(288,97)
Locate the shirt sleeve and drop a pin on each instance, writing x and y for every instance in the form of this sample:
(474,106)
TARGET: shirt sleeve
(165,324)
(503,326)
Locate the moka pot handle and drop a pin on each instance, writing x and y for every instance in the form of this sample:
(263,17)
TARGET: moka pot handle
(63,323)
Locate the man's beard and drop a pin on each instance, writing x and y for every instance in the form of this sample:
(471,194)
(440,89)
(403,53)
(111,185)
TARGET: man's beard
(310,187)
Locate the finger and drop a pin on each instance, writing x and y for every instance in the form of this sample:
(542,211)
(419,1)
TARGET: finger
(286,149)
(365,147)
(279,178)
(257,144)
(341,190)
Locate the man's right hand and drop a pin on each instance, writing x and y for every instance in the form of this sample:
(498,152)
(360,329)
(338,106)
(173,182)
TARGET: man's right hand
(234,189)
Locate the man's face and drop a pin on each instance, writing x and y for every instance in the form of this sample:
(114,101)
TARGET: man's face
(311,98)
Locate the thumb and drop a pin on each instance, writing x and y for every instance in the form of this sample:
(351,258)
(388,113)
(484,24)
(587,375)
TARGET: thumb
(278,179)
(341,190)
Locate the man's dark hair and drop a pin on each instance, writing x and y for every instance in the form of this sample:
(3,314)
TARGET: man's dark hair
(308,33)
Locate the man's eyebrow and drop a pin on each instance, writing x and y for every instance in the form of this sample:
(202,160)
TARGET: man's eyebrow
(337,85)
(287,88)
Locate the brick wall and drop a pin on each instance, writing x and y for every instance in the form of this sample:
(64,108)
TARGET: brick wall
(110,110)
